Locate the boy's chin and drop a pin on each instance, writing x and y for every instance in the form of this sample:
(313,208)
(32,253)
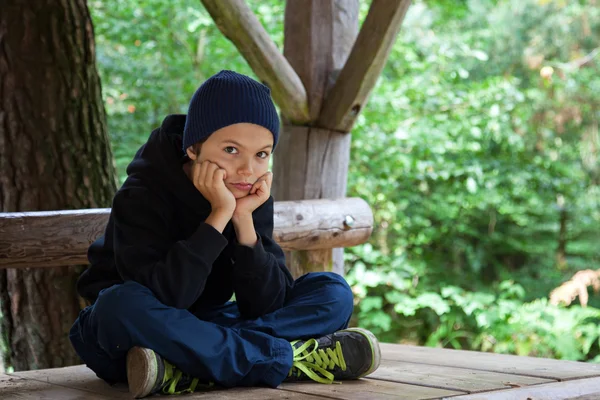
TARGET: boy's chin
(238,194)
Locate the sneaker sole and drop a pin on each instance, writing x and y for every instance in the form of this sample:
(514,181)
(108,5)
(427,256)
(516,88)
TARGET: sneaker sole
(375,350)
(142,371)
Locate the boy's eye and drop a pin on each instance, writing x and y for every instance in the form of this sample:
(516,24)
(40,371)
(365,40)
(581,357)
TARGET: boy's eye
(262,154)
(231,150)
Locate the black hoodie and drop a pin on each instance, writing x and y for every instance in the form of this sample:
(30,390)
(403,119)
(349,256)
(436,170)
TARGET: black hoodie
(156,236)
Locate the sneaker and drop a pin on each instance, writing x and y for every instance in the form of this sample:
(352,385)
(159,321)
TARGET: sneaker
(148,373)
(348,354)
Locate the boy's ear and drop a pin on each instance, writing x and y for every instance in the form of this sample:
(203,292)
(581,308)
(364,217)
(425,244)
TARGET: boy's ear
(191,153)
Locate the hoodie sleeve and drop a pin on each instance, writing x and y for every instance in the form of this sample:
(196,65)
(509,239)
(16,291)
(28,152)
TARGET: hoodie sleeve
(175,271)
(261,280)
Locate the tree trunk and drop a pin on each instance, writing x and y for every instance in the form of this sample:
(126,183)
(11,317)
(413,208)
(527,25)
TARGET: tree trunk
(54,154)
(312,163)
(561,251)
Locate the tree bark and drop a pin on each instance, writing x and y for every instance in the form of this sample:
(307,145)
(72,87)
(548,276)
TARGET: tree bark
(561,251)
(54,154)
(312,163)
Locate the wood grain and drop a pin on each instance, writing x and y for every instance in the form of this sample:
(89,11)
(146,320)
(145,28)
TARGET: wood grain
(76,377)
(591,396)
(82,378)
(319,35)
(368,389)
(468,380)
(15,388)
(313,163)
(319,224)
(54,238)
(239,24)
(549,391)
(364,65)
(504,363)
(49,238)
(394,380)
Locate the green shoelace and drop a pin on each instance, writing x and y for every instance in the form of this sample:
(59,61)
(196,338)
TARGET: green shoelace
(315,361)
(172,377)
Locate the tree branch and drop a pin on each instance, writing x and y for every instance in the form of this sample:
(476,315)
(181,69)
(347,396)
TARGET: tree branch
(580,62)
(367,59)
(239,24)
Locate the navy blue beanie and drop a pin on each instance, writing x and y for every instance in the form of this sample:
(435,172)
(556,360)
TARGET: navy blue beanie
(225,99)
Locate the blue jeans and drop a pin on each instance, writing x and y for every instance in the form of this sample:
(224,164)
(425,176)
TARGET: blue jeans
(215,345)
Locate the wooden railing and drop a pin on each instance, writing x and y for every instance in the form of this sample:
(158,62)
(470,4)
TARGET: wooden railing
(56,238)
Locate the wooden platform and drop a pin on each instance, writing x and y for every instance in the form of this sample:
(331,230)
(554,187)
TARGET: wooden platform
(407,372)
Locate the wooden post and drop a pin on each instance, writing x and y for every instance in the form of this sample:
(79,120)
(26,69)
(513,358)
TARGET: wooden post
(310,162)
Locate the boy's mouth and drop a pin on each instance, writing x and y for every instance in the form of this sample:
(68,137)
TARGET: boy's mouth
(242,186)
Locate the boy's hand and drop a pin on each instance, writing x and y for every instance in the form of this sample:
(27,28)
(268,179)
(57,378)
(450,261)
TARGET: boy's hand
(209,179)
(260,192)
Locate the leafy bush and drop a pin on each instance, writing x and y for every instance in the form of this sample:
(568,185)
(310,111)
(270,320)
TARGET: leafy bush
(391,304)
(482,169)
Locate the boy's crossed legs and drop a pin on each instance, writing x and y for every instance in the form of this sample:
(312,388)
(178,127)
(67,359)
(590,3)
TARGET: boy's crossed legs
(217,345)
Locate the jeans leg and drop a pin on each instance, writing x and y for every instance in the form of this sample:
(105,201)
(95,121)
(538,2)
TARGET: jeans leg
(129,315)
(320,303)
(83,340)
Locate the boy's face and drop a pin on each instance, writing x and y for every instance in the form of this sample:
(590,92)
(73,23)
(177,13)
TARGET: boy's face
(243,150)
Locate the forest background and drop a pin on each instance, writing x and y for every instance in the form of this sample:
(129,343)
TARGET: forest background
(478,152)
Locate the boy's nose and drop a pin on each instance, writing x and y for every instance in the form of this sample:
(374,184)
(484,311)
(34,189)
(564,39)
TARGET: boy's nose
(245,169)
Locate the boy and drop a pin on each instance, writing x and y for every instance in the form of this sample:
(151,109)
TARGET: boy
(192,225)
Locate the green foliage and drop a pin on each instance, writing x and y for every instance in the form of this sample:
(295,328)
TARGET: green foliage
(478,152)
(153,55)
(471,157)
(392,306)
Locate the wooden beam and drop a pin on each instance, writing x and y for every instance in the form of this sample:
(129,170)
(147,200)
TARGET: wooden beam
(239,24)
(55,238)
(319,35)
(364,65)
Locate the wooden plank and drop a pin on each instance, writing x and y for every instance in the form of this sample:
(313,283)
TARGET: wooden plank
(591,396)
(251,394)
(461,379)
(549,391)
(368,389)
(239,24)
(76,377)
(57,238)
(82,378)
(509,364)
(15,388)
(365,63)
